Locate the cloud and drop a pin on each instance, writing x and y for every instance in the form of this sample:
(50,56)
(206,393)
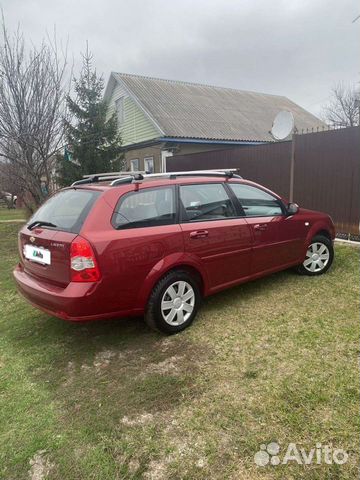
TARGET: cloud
(295,48)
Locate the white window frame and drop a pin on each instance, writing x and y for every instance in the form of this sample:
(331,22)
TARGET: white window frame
(119,107)
(132,169)
(147,160)
(164,155)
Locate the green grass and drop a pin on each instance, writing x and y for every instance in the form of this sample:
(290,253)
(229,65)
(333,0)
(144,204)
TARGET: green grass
(272,360)
(13,214)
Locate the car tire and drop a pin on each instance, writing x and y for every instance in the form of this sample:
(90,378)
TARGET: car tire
(319,257)
(173,303)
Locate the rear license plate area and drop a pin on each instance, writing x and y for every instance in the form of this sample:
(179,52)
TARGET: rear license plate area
(37,254)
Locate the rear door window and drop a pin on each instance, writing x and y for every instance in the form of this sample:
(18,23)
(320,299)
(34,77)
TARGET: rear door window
(145,208)
(205,201)
(67,209)
(256,202)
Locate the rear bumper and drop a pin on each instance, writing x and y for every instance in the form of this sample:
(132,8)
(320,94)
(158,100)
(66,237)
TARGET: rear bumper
(76,302)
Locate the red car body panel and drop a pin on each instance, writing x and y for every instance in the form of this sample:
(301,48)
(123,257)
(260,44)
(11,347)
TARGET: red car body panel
(223,252)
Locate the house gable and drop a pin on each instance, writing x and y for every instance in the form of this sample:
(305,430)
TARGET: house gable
(184,110)
(137,126)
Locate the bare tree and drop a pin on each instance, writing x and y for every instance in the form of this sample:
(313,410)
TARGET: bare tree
(32,111)
(9,188)
(344,106)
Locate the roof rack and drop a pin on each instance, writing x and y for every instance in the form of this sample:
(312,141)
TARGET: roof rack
(118,178)
(90,179)
(135,177)
(228,172)
(114,174)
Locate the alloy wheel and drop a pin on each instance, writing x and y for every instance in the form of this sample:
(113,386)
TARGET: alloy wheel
(317,257)
(178,303)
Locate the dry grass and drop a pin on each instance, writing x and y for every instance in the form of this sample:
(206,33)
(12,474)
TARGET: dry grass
(274,360)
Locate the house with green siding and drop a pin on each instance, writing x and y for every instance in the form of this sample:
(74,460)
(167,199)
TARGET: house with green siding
(159,118)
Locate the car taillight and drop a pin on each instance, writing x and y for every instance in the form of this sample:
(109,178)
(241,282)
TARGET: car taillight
(83,264)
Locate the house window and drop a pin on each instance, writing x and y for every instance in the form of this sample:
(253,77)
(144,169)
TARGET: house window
(149,164)
(134,165)
(119,105)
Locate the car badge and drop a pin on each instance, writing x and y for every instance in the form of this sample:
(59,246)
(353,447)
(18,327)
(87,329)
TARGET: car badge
(32,239)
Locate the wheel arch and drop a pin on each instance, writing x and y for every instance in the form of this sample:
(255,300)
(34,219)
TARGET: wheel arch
(194,272)
(324,233)
(168,265)
(320,228)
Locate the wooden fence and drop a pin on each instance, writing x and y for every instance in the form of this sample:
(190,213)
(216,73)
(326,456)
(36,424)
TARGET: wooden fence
(326,174)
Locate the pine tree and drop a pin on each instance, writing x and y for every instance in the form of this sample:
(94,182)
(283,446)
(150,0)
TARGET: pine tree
(94,144)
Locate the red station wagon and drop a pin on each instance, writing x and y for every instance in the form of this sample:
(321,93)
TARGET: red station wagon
(155,245)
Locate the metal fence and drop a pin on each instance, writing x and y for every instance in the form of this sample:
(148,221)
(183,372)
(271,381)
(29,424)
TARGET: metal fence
(326,173)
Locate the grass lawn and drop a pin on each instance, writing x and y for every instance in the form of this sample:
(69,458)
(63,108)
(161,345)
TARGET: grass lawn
(270,361)
(12,214)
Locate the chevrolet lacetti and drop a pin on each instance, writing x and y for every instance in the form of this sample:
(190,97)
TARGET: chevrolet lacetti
(155,245)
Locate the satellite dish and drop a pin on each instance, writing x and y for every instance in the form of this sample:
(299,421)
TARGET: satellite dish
(283,125)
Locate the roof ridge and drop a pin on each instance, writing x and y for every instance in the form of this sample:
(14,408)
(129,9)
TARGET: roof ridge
(183,82)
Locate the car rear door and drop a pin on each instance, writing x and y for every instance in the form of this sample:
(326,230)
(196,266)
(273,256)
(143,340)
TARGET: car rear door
(214,234)
(145,236)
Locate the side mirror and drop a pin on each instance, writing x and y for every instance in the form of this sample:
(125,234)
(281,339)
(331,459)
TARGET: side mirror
(292,208)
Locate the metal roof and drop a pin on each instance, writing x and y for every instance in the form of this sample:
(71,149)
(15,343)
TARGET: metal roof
(191,110)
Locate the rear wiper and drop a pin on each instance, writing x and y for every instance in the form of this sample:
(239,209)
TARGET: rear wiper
(39,223)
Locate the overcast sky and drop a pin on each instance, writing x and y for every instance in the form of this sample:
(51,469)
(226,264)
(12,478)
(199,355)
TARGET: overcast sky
(299,49)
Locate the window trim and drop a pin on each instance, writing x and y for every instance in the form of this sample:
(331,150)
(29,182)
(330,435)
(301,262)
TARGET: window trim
(182,211)
(243,214)
(153,163)
(143,190)
(133,160)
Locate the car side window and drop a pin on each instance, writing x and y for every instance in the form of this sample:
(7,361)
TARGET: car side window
(205,201)
(256,202)
(145,208)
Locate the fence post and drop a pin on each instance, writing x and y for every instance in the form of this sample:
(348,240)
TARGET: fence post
(292,168)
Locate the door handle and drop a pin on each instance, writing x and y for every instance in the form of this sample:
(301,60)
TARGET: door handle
(199,234)
(260,227)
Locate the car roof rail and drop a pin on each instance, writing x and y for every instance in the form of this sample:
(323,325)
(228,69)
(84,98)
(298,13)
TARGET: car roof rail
(114,174)
(136,177)
(116,178)
(83,181)
(229,173)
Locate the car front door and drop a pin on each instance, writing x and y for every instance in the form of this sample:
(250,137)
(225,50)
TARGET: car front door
(264,214)
(214,234)
(293,230)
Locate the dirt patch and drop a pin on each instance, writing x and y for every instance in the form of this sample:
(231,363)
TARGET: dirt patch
(166,343)
(70,374)
(133,465)
(157,470)
(41,466)
(201,463)
(103,359)
(168,366)
(141,419)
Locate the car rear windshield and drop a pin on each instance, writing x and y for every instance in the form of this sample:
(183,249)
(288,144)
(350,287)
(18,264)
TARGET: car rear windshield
(66,210)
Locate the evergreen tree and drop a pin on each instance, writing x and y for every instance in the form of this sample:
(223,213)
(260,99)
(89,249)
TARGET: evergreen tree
(94,144)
